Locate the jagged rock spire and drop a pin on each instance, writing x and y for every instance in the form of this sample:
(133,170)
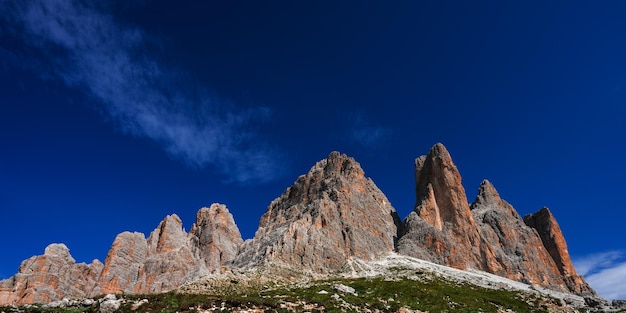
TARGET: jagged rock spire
(550,233)
(488,235)
(215,236)
(441,228)
(518,249)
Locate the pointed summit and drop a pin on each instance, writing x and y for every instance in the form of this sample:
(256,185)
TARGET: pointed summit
(489,198)
(168,236)
(487,193)
(329,215)
(518,249)
(442,216)
(544,222)
(491,236)
(438,170)
(215,236)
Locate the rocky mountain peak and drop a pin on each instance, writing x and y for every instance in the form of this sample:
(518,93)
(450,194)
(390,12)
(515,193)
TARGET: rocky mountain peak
(168,236)
(48,277)
(442,216)
(487,193)
(215,236)
(488,198)
(327,216)
(331,217)
(58,250)
(553,240)
(488,235)
(340,164)
(436,171)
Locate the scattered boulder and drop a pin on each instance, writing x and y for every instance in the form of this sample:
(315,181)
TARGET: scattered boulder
(109,304)
(344,289)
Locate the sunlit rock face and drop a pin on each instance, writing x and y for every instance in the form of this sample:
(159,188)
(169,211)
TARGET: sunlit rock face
(488,235)
(329,215)
(168,258)
(442,228)
(49,277)
(215,237)
(553,240)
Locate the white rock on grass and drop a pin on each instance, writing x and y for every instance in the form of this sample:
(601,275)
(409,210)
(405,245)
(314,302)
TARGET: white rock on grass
(139,303)
(109,306)
(345,289)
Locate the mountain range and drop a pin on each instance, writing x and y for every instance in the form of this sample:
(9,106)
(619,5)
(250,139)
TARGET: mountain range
(330,217)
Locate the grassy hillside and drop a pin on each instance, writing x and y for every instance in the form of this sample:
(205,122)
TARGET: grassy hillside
(378,294)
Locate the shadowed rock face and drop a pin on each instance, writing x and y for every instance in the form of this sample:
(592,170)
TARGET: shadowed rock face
(550,233)
(329,215)
(519,249)
(49,277)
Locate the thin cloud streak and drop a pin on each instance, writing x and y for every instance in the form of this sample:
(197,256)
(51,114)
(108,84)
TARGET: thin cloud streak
(366,133)
(594,262)
(605,272)
(609,282)
(84,47)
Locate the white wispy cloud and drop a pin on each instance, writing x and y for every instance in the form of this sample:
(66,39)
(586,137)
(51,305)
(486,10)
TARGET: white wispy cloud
(597,261)
(605,272)
(81,44)
(367,133)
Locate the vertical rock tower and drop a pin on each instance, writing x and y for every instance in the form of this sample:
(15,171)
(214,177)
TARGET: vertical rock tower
(488,235)
(442,228)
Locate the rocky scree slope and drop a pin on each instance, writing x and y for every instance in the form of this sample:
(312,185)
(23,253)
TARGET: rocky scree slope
(326,219)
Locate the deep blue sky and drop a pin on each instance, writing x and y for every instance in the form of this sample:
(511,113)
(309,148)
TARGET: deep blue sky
(112,117)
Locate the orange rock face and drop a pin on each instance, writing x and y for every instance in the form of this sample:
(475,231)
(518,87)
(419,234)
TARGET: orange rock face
(329,215)
(519,250)
(488,236)
(442,217)
(170,256)
(49,277)
(215,237)
(134,264)
(554,242)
